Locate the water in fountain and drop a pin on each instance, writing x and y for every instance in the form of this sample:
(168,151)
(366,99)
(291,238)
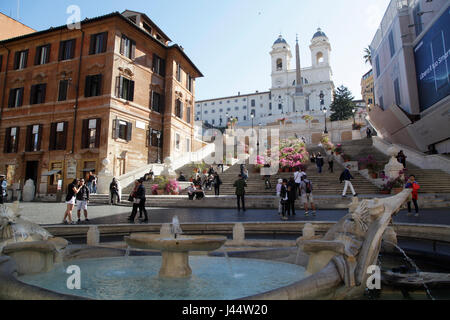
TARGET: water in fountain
(127,252)
(176,228)
(412,263)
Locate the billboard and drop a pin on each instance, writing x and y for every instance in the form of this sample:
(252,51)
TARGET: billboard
(433,64)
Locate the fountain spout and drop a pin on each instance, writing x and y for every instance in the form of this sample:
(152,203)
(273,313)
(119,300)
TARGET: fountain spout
(175,228)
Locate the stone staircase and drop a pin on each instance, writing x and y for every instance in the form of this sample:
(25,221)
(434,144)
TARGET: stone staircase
(430,180)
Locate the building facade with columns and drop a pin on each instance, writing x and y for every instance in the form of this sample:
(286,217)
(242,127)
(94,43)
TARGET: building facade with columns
(295,91)
(114,89)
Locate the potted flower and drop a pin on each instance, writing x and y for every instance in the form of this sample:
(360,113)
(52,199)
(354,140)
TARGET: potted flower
(173,187)
(160,185)
(338,149)
(155,189)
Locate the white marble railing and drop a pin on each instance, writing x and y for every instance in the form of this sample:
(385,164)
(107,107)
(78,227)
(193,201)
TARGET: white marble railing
(415,157)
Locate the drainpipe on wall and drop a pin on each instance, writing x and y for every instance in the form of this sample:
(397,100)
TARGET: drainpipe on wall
(4,84)
(75,111)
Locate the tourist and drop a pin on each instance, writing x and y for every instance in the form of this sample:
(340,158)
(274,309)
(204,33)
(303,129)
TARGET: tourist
(114,190)
(2,188)
(240,186)
(284,199)
(306,189)
(313,158)
(245,174)
(346,176)
(82,200)
(330,160)
(369,133)
(90,179)
(412,184)
(220,165)
(297,177)
(319,162)
(72,191)
(182,178)
(94,184)
(191,191)
(278,189)
(217,183)
(139,201)
(292,196)
(242,167)
(211,171)
(199,193)
(402,158)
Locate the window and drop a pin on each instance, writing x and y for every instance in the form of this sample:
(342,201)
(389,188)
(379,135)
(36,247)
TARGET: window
(177,141)
(93,86)
(253,103)
(159,65)
(188,115)
(189,83)
(221,110)
(236,108)
(20,60)
(42,55)
(377,65)
(157,102)
(391,43)
(381,103)
(127,47)
(213,111)
(90,137)
(58,135)
(179,109)
(34,137)
(213,122)
(99,43)
(178,73)
(67,50)
(244,107)
(62,92)
(228,109)
(147,27)
(398,99)
(245,118)
(370,101)
(206,112)
(154,138)
(11,140)
(15,98)
(37,94)
(279,64)
(280,106)
(56,166)
(270,105)
(122,130)
(125,88)
(188,145)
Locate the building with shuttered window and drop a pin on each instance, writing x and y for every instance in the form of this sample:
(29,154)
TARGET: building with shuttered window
(115,89)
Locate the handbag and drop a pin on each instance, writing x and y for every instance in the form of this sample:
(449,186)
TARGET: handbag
(130,198)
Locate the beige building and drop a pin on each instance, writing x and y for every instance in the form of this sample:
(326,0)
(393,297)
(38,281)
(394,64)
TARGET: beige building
(10,28)
(367,88)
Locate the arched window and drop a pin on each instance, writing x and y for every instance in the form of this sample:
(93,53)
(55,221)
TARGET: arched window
(319,57)
(279,64)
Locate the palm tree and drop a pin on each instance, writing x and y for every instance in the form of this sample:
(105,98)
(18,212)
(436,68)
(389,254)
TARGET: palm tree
(368,55)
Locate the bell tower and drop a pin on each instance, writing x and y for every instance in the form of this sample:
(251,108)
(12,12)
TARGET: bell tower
(281,60)
(320,49)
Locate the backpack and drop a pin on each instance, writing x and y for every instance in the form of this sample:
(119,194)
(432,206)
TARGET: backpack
(308,187)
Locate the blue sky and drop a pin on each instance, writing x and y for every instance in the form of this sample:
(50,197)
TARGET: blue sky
(230,40)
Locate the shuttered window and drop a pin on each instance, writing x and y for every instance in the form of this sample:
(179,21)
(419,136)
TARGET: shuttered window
(157,103)
(93,86)
(20,60)
(42,55)
(90,138)
(179,109)
(34,138)
(63,89)
(159,65)
(122,130)
(58,135)
(37,94)
(67,49)
(128,47)
(15,98)
(98,43)
(11,140)
(124,88)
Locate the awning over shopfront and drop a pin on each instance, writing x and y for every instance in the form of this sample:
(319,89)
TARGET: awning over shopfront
(50,173)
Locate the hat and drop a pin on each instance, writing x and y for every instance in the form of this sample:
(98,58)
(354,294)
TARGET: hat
(280,180)
(2,176)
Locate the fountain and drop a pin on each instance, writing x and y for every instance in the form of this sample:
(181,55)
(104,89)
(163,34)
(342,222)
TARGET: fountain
(175,249)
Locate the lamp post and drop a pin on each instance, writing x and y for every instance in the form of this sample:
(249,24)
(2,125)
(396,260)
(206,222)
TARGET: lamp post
(354,121)
(253,117)
(258,136)
(158,135)
(325,112)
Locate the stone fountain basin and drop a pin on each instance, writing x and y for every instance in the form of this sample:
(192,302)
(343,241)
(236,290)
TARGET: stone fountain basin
(180,244)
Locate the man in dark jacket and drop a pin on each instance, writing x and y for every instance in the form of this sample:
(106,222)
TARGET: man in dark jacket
(217,183)
(114,190)
(292,196)
(319,162)
(346,176)
(139,202)
(240,186)
(82,200)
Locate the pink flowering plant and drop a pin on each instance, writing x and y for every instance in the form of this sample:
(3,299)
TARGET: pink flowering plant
(293,154)
(173,186)
(327,144)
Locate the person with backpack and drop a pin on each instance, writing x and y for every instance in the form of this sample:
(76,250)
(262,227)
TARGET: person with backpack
(346,176)
(284,199)
(292,196)
(240,186)
(306,189)
(139,201)
(412,184)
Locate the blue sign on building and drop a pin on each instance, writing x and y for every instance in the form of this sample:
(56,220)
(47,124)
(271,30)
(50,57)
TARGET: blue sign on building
(433,63)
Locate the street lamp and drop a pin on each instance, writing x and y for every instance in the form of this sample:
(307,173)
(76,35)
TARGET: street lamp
(354,121)
(258,136)
(158,135)
(252,116)
(325,112)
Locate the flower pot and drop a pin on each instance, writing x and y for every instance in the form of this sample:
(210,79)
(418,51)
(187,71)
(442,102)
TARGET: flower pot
(160,192)
(174,193)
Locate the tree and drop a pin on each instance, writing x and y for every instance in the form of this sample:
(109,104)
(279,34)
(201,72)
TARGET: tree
(343,105)
(368,55)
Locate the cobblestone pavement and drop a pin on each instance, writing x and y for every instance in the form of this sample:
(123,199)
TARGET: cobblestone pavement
(52,213)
